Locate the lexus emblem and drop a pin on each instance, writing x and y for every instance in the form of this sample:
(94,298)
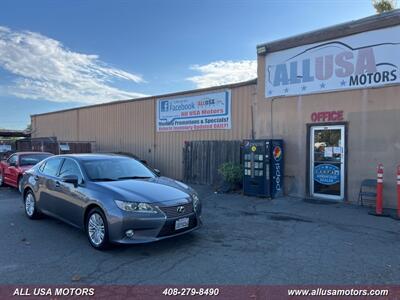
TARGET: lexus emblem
(180,209)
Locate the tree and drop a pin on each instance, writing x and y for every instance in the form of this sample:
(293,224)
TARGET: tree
(28,128)
(382,6)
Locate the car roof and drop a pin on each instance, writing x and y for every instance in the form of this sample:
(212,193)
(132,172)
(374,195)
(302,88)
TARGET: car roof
(32,153)
(93,156)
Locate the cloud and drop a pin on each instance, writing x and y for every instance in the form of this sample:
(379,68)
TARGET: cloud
(43,68)
(223,72)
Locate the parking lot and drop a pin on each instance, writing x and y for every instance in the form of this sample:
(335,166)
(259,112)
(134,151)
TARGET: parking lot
(243,241)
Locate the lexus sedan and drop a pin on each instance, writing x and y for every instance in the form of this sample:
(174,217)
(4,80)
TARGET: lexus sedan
(115,199)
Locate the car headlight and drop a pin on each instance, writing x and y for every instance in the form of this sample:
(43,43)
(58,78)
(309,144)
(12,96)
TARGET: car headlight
(196,201)
(135,206)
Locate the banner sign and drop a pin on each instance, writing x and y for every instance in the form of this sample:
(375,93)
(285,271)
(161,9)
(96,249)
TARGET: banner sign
(367,59)
(200,112)
(327,174)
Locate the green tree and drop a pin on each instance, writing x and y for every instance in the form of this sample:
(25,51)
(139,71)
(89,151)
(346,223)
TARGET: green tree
(382,6)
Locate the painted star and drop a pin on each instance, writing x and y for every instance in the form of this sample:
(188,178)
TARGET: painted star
(286,90)
(303,88)
(343,83)
(322,85)
(269,92)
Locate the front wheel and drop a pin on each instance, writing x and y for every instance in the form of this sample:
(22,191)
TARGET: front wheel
(30,206)
(97,230)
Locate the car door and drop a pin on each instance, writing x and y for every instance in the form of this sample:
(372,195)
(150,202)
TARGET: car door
(70,199)
(10,170)
(47,178)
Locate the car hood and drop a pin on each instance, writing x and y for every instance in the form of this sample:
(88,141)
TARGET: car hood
(153,190)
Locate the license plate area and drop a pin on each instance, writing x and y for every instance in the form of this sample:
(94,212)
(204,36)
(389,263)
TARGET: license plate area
(181,223)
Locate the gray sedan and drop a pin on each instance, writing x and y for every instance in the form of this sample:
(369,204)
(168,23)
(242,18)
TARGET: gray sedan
(115,199)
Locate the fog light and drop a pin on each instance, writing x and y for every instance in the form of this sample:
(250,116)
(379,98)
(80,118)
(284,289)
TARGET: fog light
(129,233)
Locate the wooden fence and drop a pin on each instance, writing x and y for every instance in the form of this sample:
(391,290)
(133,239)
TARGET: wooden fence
(201,160)
(53,146)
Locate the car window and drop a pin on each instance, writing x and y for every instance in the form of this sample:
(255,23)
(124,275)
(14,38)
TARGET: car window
(31,159)
(41,168)
(70,167)
(51,166)
(12,160)
(116,169)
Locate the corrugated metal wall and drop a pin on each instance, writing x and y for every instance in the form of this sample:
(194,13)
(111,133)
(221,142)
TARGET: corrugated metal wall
(130,127)
(63,125)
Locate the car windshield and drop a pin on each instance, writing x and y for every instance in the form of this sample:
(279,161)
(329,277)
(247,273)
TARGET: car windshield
(113,169)
(31,159)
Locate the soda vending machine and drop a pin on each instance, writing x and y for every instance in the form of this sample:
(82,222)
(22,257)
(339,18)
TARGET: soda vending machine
(263,168)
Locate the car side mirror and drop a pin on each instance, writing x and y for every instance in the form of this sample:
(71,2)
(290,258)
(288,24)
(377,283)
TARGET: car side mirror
(157,171)
(73,179)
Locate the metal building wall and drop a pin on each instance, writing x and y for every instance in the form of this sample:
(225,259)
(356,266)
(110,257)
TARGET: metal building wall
(129,126)
(61,124)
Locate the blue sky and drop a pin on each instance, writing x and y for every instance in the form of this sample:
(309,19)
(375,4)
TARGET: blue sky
(62,54)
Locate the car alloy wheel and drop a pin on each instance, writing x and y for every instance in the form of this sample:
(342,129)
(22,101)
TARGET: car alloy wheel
(29,205)
(96,229)
(1,180)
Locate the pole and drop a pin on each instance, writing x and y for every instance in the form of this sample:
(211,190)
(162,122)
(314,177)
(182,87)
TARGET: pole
(379,190)
(398,191)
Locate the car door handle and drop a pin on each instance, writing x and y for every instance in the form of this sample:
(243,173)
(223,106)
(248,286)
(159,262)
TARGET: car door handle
(36,177)
(58,184)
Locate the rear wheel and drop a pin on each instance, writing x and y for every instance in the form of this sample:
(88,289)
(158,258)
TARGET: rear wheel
(30,206)
(96,229)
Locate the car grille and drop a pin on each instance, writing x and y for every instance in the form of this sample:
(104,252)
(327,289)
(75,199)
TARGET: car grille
(169,227)
(172,211)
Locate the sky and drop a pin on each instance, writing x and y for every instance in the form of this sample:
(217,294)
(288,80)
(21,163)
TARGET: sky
(67,53)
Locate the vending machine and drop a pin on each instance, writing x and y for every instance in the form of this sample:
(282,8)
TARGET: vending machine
(263,168)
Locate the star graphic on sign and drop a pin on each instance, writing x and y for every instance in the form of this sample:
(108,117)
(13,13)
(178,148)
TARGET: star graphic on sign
(269,92)
(286,90)
(322,85)
(343,83)
(303,88)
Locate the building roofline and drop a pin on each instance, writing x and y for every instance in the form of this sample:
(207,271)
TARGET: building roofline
(226,86)
(379,21)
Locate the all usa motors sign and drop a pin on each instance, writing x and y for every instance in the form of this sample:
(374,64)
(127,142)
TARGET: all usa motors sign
(200,112)
(367,59)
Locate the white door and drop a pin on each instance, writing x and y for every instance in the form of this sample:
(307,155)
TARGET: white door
(327,162)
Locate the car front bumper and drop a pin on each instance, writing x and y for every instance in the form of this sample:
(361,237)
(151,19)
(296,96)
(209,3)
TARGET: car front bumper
(148,228)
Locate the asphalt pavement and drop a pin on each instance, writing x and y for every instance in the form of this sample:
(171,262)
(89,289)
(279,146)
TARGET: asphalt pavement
(243,241)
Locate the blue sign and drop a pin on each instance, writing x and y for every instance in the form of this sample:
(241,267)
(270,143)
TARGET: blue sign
(327,174)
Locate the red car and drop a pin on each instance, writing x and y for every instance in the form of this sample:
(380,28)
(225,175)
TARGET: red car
(11,170)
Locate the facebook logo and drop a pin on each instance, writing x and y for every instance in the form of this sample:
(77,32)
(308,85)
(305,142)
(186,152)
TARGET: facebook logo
(164,106)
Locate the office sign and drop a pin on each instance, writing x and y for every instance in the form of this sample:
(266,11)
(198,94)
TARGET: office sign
(368,59)
(200,112)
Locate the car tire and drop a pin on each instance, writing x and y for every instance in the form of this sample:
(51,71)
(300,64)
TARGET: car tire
(30,206)
(97,229)
(1,179)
